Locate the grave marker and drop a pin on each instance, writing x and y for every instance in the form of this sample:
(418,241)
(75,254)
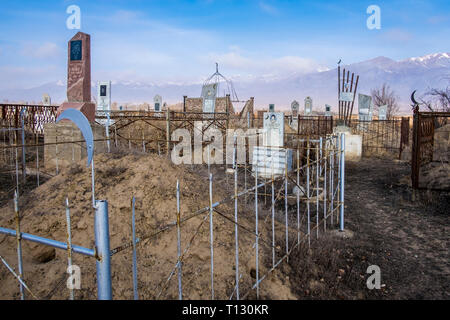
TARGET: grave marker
(308,105)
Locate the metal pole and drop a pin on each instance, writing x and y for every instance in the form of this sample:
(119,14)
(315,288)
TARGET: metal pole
(93,182)
(211,239)
(107,132)
(286,204)
(257,235)
(133,232)
(19,243)
(17,169)
(332,178)
(24,168)
(37,159)
(298,196)
(338,146)
(180,287)
(69,244)
(236,219)
(307,193)
(325,188)
(101,230)
(273,216)
(317,190)
(73,149)
(342,182)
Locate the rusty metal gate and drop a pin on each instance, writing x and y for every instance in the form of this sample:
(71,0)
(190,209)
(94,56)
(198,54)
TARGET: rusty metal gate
(424,126)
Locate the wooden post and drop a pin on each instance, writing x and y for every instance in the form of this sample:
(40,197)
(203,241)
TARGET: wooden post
(168,131)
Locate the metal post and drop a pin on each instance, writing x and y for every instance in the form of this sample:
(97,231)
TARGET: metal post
(211,239)
(93,182)
(133,232)
(69,244)
(332,178)
(168,131)
(236,218)
(307,192)
(19,243)
(325,188)
(37,160)
(286,204)
(317,191)
(338,146)
(257,235)
(342,182)
(107,132)
(101,230)
(17,170)
(273,216)
(298,196)
(180,287)
(24,168)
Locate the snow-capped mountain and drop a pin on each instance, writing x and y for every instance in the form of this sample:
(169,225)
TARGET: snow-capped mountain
(418,73)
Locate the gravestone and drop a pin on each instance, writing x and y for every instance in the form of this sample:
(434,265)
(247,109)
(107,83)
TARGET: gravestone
(104,96)
(364,107)
(271,107)
(46,100)
(157,100)
(308,105)
(294,108)
(273,129)
(382,112)
(79,76)
(209,93)
(327,110)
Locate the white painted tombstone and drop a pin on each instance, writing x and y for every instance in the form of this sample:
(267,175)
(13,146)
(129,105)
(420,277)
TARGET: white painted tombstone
(364,107)
(273,129)
(308,105)
(294,107)
(157,100)
(382,112)
(327,110)
(46,100)
(209,93)
(104,96)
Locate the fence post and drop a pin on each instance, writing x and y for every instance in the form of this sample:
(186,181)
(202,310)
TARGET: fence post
(342,182)
(168,131)
(101,229)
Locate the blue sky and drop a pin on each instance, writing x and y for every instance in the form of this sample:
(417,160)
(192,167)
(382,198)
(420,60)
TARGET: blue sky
(179,41)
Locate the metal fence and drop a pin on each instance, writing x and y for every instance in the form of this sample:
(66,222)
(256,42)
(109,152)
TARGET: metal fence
(311,196)
(34,116)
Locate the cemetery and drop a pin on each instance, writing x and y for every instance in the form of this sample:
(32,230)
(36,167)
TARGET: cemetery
(220,198)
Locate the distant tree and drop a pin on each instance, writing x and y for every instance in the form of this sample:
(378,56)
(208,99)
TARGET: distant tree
(385,96)
(437,99)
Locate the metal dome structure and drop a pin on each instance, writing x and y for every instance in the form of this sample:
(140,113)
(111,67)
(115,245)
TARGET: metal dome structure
(223,84)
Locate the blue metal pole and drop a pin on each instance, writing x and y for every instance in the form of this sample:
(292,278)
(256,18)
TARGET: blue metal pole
(342,181)
(19,244)
(69,244)
(101,231)
(133,230)
(48,242)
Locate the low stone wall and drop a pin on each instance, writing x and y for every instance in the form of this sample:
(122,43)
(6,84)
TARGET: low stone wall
(67,153)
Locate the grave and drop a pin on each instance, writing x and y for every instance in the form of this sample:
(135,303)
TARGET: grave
(353,143)
(382,112)
(209,93)
(271,157)
(364,107)
(308,106)
(294,108)
(328,111)
(79,76)
(46,100)
(157,100)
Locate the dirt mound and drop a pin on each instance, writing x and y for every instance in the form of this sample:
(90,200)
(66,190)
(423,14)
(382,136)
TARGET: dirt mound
(152,180)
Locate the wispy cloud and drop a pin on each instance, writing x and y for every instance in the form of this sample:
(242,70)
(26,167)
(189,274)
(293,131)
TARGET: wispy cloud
(397,35)
(47,50)
(267,8)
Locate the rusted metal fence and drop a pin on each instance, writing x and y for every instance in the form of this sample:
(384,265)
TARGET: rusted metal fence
(423,141)
(314,126)
(35,116)
(384,138)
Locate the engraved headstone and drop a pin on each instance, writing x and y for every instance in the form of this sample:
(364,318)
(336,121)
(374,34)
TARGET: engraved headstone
(209,93)
(79,76)
(364,107)
(273,129)
(271,107)
(308,105)
(46,100)
(327,110)
(104,96)
(157,100)
(382,112)
(294,108)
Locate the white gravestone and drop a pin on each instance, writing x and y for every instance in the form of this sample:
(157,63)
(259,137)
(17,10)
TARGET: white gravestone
(157,100)
(382,112)
(308,105)
(328,111)
(46,100)
(104,96)
(365,107)
(294,108)
(209,93)
(273,129)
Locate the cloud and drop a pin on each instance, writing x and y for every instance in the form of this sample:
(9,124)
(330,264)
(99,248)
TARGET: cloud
(267,8)
(437,19)
(397,35)
(45,51)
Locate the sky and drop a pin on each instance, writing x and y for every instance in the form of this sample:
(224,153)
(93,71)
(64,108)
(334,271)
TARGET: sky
(169,41)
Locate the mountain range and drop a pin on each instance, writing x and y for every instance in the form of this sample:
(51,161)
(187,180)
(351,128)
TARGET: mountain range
(404,76)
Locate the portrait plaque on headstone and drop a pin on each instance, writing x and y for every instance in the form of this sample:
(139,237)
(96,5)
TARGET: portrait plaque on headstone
(76,49)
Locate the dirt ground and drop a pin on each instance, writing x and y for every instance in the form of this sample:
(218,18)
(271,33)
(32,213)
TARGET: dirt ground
(407,237)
